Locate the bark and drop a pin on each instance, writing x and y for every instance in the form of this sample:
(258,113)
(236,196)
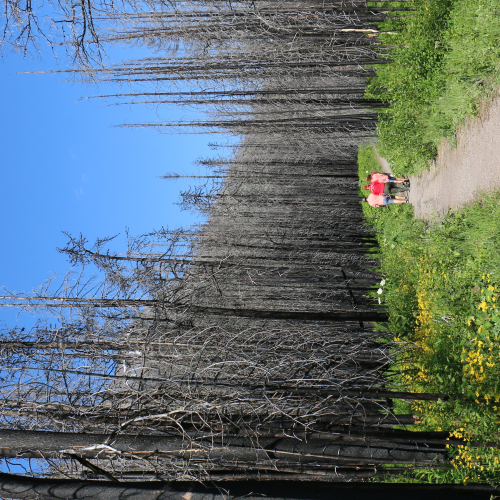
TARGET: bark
(257,452)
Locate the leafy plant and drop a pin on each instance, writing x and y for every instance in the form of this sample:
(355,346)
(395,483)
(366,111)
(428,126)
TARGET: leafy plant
(441,286)
(444,64)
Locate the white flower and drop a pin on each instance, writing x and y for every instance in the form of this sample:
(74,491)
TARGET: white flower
(392,246)
(382,283)
(379,301)
(380,291)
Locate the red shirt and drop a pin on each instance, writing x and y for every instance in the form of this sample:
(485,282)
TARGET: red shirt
(376,176)
(377,187)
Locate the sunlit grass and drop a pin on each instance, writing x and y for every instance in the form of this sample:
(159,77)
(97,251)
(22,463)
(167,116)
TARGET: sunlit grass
(442,288)
(445,64)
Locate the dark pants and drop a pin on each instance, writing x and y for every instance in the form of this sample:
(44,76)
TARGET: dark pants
(394,187)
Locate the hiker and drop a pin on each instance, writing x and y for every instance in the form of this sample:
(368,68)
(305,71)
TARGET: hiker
(377,187)
(383,200)
(378,177)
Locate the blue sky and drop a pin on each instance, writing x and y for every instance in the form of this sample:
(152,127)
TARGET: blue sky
(64,167)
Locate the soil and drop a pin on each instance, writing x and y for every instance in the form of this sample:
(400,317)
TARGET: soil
(460,174)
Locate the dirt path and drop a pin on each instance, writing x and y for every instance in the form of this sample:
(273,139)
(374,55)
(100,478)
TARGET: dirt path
(459,174)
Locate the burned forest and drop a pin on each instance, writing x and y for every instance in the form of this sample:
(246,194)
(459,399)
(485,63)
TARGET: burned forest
(243,348)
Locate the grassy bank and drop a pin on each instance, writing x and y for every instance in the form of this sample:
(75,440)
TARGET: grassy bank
(441,282)
(442,288)
(445,62)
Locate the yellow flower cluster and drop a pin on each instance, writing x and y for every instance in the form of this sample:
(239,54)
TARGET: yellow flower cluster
(415,358)
(481,357)
(483,306)
(476,360)
(474,460)
(480,360)
(467,458)
(426,329)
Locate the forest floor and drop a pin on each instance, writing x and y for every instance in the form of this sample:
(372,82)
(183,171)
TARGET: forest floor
(441,284)
(441,281)
(460,173)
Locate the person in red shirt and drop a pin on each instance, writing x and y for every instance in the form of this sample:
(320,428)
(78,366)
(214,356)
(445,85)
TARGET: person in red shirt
(378,177)
(383,200)
(377,187)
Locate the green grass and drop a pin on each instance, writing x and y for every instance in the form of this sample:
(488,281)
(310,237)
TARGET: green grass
(445,65)
(441,282)
(442,289)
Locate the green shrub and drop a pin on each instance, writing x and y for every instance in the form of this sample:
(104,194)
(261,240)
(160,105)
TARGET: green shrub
(441,287)
(445,59)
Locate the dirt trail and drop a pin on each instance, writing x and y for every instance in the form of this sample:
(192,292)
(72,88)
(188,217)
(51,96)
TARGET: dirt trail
(459,174)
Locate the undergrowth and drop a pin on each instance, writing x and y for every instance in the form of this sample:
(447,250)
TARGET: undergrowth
(445,58)
(441,287)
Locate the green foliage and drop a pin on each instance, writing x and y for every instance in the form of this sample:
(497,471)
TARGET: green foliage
(445,58)
(442,286)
